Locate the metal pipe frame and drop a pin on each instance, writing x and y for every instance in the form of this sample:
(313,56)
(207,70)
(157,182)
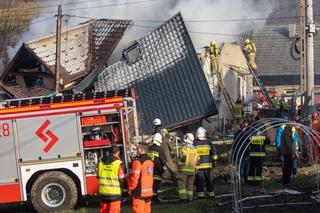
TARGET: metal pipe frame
(237,153)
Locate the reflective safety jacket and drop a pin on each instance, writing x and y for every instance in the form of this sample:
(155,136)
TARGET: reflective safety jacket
(111,177)
(257,146)
(214,50)
(188,159)
(141,178)
(154,152)
(206,152)
(238,111)
(250,49)
(154,155)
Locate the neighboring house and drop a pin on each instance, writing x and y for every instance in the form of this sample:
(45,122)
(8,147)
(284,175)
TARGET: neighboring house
(165,72)
(278,61)
(236,79)
(84,50)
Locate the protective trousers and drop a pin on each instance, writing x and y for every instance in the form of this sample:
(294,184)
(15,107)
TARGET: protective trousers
(215,63)
(141,206)
(255,169)
(287,169)
(157,176)
(110,207)
(204,176)
(172,168)
(235,123)
(185,185)
(251,60)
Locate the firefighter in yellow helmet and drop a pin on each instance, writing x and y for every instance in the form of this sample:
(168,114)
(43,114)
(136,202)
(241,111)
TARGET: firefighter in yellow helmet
(214,55)
(250,50)
(187,166)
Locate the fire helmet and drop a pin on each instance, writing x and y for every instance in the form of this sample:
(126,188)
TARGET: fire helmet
(201,133)
(188,138)
(247,41)
(315,115)
(157,122)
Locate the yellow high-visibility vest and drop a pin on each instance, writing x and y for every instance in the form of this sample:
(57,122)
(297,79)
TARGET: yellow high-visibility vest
(237,111)
(108,178)
(189,165)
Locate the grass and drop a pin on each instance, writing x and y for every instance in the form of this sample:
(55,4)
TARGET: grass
(304,181)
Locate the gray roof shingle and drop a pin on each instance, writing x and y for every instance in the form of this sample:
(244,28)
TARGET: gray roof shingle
(276,66)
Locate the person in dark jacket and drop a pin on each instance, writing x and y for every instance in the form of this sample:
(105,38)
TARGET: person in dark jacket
(165,154)
(287,150)
(207,154)
(154,155)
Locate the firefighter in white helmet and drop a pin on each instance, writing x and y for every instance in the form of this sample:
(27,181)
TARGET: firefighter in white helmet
(187,167)
(154,155)
(208,156)
(157,125)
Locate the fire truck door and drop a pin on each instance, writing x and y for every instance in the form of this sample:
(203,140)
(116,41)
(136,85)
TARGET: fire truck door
(8,162)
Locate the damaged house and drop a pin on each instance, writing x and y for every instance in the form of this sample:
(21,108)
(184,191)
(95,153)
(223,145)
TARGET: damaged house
(84,52)
(166,74)
(236,79)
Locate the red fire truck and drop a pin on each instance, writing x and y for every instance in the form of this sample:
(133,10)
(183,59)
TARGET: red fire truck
(50,146)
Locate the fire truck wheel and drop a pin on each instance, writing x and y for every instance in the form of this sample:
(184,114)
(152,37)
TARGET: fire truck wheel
(53,191)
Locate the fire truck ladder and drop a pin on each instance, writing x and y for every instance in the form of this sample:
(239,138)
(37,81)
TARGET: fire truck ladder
(225,92)
(63,98)
(259,83)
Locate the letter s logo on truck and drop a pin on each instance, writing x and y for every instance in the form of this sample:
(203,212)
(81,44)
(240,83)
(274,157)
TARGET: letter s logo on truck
(44,138)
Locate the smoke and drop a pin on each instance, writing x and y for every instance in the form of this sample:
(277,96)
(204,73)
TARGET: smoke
(202,32)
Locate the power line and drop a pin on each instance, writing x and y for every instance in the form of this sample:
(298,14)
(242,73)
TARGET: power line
(204,21)
(114,4)
(75,9)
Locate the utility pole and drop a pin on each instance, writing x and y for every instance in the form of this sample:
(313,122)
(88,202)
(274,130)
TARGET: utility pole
(311,29)
(58,49)
(303,58)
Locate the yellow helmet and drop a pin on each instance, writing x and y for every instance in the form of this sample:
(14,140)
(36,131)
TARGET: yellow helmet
(212,43)
(247,41)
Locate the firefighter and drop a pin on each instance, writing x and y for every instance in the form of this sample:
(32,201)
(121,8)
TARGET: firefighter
(214,55)
(157,125)
(250,50)
(165,153)
(257,154)
(287,150)
(238,114)
(111,182)
(141,181)
(187,165)
(154,155)
(208,156)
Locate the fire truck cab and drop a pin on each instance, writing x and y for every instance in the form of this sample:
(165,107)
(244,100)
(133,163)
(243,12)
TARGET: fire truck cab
(50,146)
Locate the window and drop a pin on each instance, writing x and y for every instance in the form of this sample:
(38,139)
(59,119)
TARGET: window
(132,54)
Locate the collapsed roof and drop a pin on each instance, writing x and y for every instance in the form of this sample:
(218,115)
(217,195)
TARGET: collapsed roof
(164,70)
(83,49)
